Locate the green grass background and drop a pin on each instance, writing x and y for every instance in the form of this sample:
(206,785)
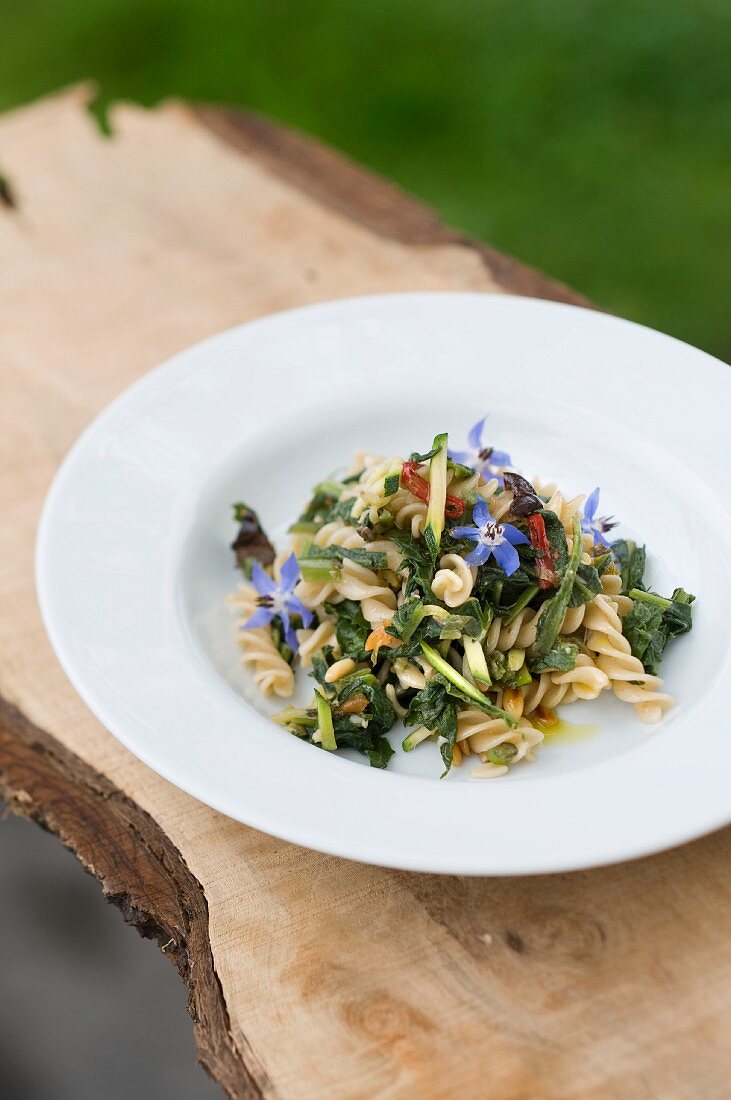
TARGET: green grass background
(588,137)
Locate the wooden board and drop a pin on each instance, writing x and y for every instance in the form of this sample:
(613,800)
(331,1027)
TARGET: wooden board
(309,976)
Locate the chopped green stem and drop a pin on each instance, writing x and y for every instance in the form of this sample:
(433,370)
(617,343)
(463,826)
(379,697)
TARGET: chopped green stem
(463,685)
(437,495)
(523,600)
(650,597)
(302,527)
(415,738)
(320,569)
(325,724)
(475,655)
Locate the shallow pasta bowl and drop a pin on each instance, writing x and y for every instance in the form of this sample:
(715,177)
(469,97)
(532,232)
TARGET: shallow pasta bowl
(133,566)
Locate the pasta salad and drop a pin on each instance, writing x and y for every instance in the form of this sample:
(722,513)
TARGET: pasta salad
(449,592)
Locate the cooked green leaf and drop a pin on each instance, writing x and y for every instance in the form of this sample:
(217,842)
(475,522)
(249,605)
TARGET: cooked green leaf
(380,714)
(351,628)
(434,708)
(653,621)
(380,754)
(631,560)
(417,561)
(586,586)
(562,658)
(407,618)
(552,616)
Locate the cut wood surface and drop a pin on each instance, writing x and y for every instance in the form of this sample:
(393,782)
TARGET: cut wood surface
(309,976)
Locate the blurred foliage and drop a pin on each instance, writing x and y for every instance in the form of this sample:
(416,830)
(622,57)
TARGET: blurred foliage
(590,138)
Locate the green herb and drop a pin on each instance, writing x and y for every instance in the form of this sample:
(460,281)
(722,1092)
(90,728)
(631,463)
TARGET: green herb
(503,675)
(458,470)
(321,661)
(325,723)
(407,618)
(415,457)
(586,586)
(653,621)
(631,560)
(390,484)
(469,621)
(522,601)
(437,711)
(437,495)
(380,754)
(380,714)
(562,658)
(417,562)
(601,561)
(351,628)
(277,628)
(552,616)
(503,753)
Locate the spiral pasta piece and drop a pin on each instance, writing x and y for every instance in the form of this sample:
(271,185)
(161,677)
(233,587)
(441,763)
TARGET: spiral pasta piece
(520,632)
(587,681)
(377,601)
(612,586)
(629,680)
(498,501)
(482,733)
(310,641)
(544,691)
(272,674)
(371,496)
(408,511)
(454,580)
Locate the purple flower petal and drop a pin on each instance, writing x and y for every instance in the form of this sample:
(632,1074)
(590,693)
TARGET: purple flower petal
(466,458)
(289,635)
(474,436)
(481,513)
(465,533)
(499,458)
(507,558)
(295,607)
(289,574)
(263,583)
(261,617)
(591,505)
(513,535)
(479,555)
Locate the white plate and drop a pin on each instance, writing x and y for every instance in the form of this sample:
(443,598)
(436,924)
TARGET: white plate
(133,566)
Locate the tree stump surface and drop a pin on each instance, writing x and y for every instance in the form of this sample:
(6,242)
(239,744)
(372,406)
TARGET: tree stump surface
(309,976)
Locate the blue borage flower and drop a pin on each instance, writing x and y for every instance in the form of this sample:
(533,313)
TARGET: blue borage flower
(594,525)
(277,600)
(498,539)
(485,459)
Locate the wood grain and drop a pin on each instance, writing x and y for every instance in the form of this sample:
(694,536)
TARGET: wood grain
(309,976)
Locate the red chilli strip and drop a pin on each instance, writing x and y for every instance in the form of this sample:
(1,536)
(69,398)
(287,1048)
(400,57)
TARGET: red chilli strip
(545,570)
(453,508)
